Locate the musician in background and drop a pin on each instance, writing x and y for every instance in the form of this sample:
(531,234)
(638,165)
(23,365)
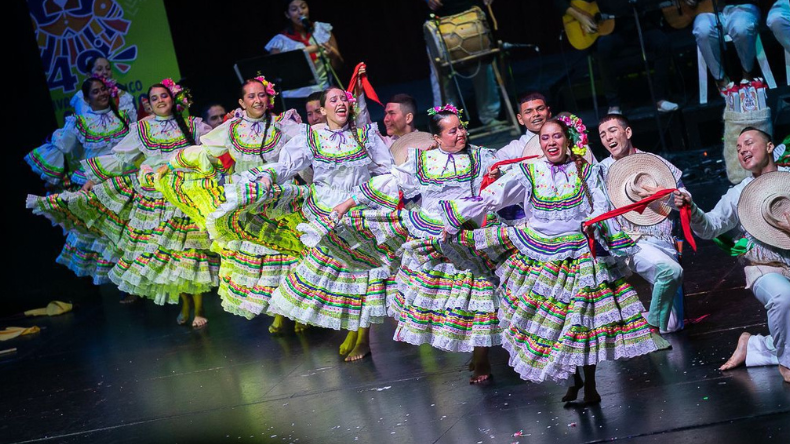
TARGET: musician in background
(740,20)
(315,38)
(779,22)
(486,93)
(625,35)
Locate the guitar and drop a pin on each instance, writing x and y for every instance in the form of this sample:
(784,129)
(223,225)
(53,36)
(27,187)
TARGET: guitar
(573,28)
(680,14)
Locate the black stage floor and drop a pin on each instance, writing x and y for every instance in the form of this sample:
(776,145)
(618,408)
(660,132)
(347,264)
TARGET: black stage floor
(113,373)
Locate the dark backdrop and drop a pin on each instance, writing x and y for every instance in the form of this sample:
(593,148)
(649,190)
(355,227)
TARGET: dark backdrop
(209,36)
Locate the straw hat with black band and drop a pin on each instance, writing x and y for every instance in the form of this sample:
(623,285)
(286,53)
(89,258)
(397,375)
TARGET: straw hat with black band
(762,208)
(418,139)
(630,175)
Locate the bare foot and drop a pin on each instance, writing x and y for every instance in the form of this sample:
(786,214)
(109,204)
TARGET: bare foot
(349,343)
(785,373)
(277,324)
(181,319)
(360,351)
(739,355)
(300,328)
(480,366)
(573,391)
(481,373)
(199,322)
(129,299)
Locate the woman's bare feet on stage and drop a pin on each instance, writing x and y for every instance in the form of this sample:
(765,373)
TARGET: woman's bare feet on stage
(480,366)
(199,322)
(349,343)
(573,391)
(739,355)
(360,351)
(300,328)
(361,346)
(277,324)
(785,372)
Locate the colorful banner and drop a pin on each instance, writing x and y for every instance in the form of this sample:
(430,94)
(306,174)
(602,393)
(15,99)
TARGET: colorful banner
(133,35)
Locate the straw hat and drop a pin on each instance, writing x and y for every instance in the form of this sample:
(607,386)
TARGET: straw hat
(631,174)
(418,139)
(762,204)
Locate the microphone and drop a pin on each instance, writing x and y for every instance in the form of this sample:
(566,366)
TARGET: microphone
(507,46)
(305,22)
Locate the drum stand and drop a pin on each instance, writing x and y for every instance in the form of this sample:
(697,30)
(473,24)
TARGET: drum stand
(446,64)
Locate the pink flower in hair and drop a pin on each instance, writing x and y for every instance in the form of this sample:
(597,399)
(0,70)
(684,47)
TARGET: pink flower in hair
(109,83)
(350,97)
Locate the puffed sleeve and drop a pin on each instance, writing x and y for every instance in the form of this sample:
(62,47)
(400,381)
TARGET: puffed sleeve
(385,190)
(203,128)
(49,160)
(280,43)
(204,157)
(124,158)
(78,103)
(600,201)
(322,32)
(294,157)
(290,124)
(378,151)
(510,189)
(126,104)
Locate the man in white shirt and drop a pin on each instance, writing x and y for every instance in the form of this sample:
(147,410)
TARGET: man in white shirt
(532,113)
(656,260)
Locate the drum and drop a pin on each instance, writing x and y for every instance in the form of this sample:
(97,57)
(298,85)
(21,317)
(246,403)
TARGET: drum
(465,34)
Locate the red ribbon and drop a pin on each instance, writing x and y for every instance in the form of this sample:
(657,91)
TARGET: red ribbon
(304,40)
(488,180)
(226,160)
(401,202)
(366,86)
(639,207)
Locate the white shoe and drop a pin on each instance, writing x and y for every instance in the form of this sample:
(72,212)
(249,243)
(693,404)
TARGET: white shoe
(665,106)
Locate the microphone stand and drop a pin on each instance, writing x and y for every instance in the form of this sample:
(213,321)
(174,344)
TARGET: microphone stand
(649,77)
(722,45)
(324,58)
(453,74)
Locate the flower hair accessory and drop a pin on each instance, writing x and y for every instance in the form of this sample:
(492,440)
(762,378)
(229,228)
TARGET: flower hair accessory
(448,108)
(269,87)
(109,83)
(350,97)
(181,96)
(580,143)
